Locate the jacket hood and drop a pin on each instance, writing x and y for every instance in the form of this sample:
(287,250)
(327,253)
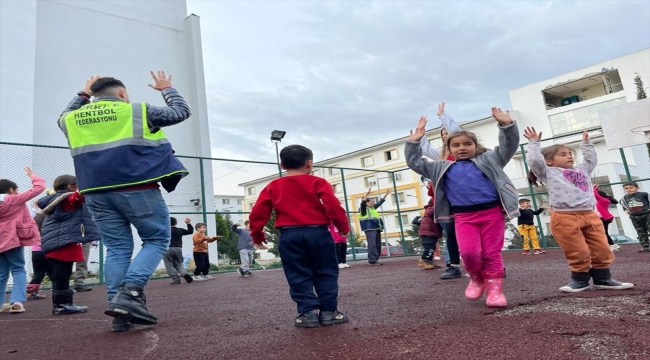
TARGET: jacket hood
(46,200)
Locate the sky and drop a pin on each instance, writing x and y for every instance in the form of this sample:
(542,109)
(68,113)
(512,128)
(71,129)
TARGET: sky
(339,76)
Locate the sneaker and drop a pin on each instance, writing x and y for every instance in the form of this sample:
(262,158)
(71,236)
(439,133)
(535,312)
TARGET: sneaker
(375,263)
(82,288)
(332,317)
(307,320)
(615,247)
(208,277)
(612,284)
(198,278)
(241,271)
(35,296)
(539,251)
(436,258)
(452,272)
(346,265)
(175,282)
(575,286)
(248,274)
(188,278)
(526,252)
(644,249)
(341,266)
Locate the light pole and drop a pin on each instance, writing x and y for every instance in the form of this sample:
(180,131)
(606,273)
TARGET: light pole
(276,137)
(383,218)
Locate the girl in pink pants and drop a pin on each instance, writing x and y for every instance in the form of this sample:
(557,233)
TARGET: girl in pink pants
(476,191)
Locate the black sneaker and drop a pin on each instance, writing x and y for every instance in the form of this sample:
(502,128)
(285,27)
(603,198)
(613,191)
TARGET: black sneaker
(611,284)
(644,249)
(452,272)
(82,288)
(248,274)
(241,272)
(575,286)
(188,278)
(121,324)
(307,320)
(376,263)
(175,282)
(332,317)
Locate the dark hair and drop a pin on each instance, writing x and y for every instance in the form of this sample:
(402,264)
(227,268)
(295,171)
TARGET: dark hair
(521,201)
(62,182)
(548,153)
(608,197)
(6,185)
(199,225)
(101,85)
(631,183)
(480,149)
(247,222)
(295,156)
(173,221)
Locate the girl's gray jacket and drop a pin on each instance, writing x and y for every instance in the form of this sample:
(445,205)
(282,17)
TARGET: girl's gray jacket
(491,163)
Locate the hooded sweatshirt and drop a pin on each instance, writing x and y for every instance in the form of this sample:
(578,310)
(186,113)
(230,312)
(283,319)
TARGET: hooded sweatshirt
(17,227)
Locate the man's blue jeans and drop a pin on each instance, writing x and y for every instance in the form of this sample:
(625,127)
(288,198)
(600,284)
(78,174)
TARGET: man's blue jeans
(115,212)
(12,262)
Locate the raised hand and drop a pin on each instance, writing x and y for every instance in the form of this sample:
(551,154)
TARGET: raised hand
(502,117)
(422,123)
(441,109)
(161,81)
(585,136)
(416,136)
(29,172)
(89,83)
(187,220)
(531,134)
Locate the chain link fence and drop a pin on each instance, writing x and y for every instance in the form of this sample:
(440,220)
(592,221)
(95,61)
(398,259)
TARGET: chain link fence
(237,184)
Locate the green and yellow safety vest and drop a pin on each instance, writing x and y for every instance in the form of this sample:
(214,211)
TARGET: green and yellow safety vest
(370,221)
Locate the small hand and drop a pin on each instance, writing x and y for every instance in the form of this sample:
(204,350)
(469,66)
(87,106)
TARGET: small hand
(187,220)
(441,109)
(416,136)
(422,123)
(585,136)
(89,83)
(29,172)
(531,134)
(502,117)
(161,81)
(388,192)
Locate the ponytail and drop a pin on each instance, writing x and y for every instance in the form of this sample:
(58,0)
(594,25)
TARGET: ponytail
(533,180)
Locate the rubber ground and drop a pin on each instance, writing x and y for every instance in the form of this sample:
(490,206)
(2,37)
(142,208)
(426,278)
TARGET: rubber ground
(396,311)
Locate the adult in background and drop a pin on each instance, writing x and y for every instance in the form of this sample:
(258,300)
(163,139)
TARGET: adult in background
(372,225)
(121,158)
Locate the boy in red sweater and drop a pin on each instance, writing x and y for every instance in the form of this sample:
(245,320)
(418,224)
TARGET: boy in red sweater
(304,207)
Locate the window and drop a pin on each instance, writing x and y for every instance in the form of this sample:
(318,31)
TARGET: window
(399,196)
(225,201)
(337,188)
(332,171)
(251,190)
(367,161)
(250,205)
(239,201)
(398,176)
(436,143)
(390,154)
(315,172)
(581,118)
(405,220)
(370,181)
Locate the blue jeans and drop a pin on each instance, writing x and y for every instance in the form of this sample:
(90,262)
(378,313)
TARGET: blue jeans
(115,212)
(309,261)
(13,261)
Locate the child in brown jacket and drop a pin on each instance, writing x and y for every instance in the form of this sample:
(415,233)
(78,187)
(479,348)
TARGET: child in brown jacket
(201,259)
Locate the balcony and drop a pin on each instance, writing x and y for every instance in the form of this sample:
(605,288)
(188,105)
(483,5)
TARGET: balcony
(588,87)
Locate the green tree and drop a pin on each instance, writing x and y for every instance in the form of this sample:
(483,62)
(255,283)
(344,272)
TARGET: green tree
(228,243)
(640,94)
(272,235)
(353,238)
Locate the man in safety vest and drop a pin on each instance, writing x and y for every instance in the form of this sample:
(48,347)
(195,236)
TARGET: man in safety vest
(121,158)
(372,225)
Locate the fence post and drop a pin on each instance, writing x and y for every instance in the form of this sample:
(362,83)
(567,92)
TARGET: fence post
(625,166)
(532,196)
(399,214)
(347,210)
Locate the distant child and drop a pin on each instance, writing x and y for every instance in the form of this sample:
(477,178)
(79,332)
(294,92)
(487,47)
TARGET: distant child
(341,243)
(637,205)
(304,206)
(67,225)
(173,258)
(17,230)
(574,223)
(602,209)
(527,228)
(429,232)
(476,190)
(201,258)
(245,247)
(38,258)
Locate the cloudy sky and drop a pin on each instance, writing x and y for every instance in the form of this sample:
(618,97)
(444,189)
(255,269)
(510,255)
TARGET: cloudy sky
(342,75)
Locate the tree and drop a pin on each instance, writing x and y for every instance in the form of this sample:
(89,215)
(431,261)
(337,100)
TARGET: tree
(353,238)
(272,235)
(640,94)
(227,244)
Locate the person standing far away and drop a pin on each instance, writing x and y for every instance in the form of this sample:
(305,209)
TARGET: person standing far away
(121,158)
(372,225)
(173,258)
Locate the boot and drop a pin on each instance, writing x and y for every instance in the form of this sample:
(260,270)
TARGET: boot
(603,280)
(32,292)
(429,265)
(494,289)
(579,282)
(62,303)
(475,288)
(130,300)
(121,323)
(421,264)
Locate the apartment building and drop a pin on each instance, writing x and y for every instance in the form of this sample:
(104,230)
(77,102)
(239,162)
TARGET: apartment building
(231,205)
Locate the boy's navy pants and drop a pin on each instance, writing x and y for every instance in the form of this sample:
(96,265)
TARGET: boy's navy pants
(309,260)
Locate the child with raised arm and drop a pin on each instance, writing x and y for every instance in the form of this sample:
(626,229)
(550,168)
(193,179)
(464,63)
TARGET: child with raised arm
(245,247)
(637,204)
(527,228)
(476,190)
(304,206)
(200,252)
(574,224)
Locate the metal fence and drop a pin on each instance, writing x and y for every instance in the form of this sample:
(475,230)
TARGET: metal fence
(238,183)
